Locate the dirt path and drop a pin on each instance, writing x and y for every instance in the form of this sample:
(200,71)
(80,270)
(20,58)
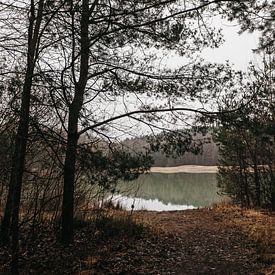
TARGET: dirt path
(190,242)
(203,243)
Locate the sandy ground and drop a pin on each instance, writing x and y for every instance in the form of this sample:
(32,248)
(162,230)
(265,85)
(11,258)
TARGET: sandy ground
(185,169)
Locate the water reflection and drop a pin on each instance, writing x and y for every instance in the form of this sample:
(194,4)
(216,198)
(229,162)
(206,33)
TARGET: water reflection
(162,192)
(148,204)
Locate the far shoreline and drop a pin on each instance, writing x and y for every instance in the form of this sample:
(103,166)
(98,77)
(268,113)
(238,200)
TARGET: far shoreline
(185,169)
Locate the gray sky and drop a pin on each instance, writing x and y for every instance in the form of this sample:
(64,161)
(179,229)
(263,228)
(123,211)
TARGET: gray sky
(237,48)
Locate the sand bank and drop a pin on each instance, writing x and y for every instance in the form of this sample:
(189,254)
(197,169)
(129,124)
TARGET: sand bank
(185,169)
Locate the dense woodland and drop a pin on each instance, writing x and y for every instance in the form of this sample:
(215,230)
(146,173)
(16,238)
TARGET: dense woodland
(247,149)
(78,77)
(207,154)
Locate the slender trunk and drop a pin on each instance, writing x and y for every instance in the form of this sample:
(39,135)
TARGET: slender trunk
(5,226)
(11,215)
(257,182)
(246,188)
(18,162)
(272,170)
(242,186)
(272,178)
(1,201)
(69,175)
(273,198)
(74,112)
(35,214)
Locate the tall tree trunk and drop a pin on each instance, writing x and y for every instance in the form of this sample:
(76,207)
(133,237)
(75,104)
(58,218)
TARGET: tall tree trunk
(74,112)
(257,185)
(11,214)
(242,196)
(272,168)
(69,177)
(246,188)
(273,197)
(272,178)
(257,176)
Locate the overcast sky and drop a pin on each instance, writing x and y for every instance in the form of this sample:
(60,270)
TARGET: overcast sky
(237,48)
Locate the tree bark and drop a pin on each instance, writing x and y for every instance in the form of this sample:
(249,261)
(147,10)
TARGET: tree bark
(69,177)
(272,178)
(72,140)
(257,177)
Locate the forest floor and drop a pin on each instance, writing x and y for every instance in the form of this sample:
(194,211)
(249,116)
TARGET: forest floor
(223,240)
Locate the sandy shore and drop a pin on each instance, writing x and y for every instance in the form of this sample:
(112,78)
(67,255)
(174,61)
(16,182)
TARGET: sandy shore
(185,169)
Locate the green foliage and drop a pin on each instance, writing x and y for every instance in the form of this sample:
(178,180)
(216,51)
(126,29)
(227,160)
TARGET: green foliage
(246,171)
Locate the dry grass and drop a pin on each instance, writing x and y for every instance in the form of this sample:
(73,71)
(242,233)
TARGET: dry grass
(258,225)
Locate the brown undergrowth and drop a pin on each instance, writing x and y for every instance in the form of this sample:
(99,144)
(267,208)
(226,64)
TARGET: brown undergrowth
(223,240)
(256,224)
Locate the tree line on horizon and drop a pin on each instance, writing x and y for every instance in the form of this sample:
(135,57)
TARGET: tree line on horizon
(208,153)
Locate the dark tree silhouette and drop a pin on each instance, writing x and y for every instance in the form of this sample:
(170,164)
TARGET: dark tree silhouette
(110,54)
(247,142)
(35,31)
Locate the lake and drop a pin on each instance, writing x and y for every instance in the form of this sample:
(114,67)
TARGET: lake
(168,192)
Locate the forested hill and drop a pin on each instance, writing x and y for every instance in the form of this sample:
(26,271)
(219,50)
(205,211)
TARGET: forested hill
(209,154)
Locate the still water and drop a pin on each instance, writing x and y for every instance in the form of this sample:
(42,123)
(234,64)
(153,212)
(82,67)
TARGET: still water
(167,192)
